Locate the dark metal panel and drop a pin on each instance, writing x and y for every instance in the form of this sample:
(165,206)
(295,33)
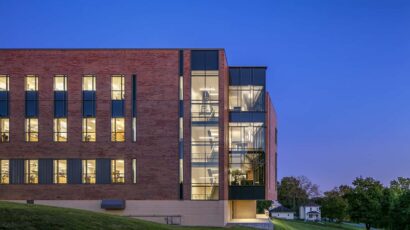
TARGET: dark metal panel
(4,104)
(134,95)
(247,116)
(181,62)
(31,104)
(103,171)
(204,60)
(16,171)
(246,192)
(45,171)
(89,104)
(74,171)
(117,108)
(60,104)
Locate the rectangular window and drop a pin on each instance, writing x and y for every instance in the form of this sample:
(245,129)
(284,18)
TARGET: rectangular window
(60,129)
(89,96)
(117,171)
(60,171)
(88,171)
(89,130)
(60,96)
(31,130)
(4,172)
(246,136)
(4,96)
(117,130)
(4,130)
(31,171)
(117,87)
(246,98)
(134,171)
(31,90)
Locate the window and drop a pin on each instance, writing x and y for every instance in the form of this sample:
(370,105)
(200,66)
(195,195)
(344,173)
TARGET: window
(89,96)
(31,171)
(117,130)
(31,130)
(31,88)
(4,96)
(117,171)
(31,83)
(4,130)
(89,130)
(60,171)
(4,172)
(246,98)
(60,83)
(60,96)
(246,169)
(134,171)
(88,171)
(204,135)
(60,129)
(246,136)
(117,87)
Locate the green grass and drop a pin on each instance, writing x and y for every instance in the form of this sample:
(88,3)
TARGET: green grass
(300,225)
(27,217)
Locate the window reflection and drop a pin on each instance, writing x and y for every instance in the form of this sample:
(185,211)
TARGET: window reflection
(88,171)
(117,171)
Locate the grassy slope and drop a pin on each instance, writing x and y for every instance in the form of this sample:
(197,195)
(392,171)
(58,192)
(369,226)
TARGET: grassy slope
(22,216)
(300,225)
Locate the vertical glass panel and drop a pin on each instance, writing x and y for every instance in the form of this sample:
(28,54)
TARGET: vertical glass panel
(60,171)
(117,87)
(4,130)
(246,98)
(31,171)
(89,130)
(4,83)
(89,171)
(60,83)
(134,129)
(31,130)
(246,169)
(31,83)
(89,83)
(117,129)
(134,171)
(117,171)
(60,129)
(4,172)
(246,136)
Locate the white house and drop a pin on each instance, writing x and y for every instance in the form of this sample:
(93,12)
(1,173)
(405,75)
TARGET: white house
(310,212)
(282,212)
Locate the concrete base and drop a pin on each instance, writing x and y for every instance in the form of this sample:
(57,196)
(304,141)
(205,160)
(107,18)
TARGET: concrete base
(189,213)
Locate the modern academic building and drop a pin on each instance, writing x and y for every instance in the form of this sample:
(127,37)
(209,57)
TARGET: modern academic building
(169,135)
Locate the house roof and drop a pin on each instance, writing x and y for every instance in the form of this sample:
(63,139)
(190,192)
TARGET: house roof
(281,209)
(310,204)
(313,212)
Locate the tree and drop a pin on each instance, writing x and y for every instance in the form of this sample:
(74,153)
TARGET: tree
(261,205)
(291,194)
(400,214)
(364,201)
(311,189)
(334,205)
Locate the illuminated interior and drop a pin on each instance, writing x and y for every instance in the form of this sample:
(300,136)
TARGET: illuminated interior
(31,171)
(89,171)
(31,83)
(89,130)
(4,172)
(60,171)
(31,129)
(117,129)
(4,130)
(60,129)
(117,171)
(246,98)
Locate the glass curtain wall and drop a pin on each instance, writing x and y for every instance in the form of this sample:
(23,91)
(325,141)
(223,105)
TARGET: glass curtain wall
(204,135)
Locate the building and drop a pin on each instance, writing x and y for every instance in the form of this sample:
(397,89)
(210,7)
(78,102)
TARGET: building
(169,135)
(282,212)
(310,212)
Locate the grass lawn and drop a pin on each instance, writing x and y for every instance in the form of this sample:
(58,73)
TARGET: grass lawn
(27,217)
(300,225)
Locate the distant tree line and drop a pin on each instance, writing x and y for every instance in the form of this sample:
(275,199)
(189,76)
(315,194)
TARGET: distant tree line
(366,201)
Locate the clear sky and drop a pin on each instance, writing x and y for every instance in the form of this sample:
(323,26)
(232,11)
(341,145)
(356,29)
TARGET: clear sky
(339,70)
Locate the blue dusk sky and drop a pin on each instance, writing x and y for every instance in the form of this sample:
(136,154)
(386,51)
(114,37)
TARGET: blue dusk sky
(338,70)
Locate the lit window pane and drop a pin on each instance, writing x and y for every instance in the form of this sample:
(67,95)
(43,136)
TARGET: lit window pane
(89,129)
(117,171)
(31,171)
(4,172)
(4,130)
(60,171)
(117,129)
(60,83)
(4,83)
(89,83)
(89,171)
(60,129)
(31,130)
(117,87)
(31,83)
